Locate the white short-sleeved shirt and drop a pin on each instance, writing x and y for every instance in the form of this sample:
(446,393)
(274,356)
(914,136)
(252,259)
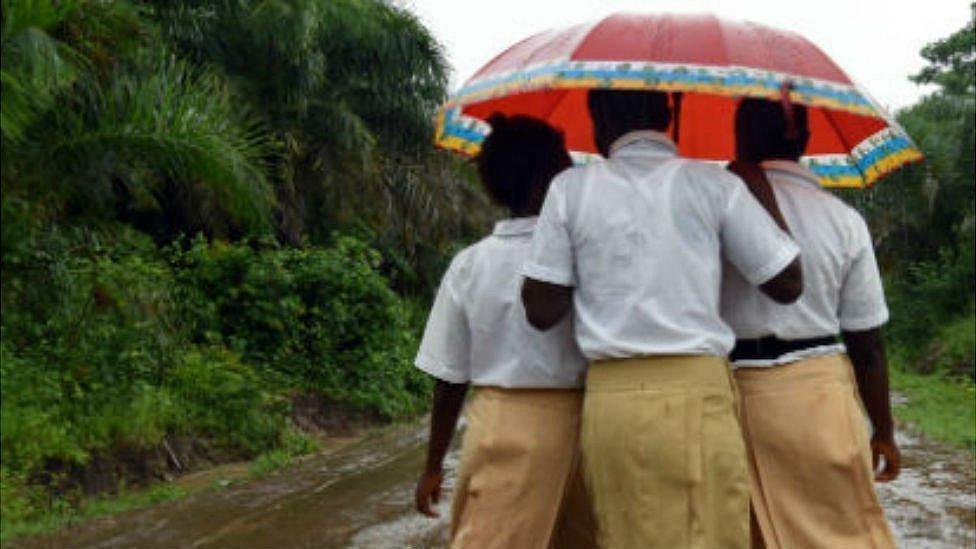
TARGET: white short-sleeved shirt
(842,287)
(477,331)
(640,237)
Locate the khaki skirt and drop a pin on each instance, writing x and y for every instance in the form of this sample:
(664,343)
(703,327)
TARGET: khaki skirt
(810,473)
(519,484)
(663,454)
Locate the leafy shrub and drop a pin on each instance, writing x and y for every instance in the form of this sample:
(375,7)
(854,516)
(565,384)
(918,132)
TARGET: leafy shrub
(86,340)
(109,345)
(315,319)
(952,352)
(928,294)
(218,396)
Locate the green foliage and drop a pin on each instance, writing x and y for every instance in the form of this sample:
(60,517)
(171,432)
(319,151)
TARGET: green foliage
(955,350)
(154,131)
(35,66)
(348,90)
(218,396)
(97,122)
(128,124)
(927,294)
(294,444)
(349,74)
(110,344)
(87,342)
(323,318)
(18,520)
(938,405)
(952,60)
(923,209)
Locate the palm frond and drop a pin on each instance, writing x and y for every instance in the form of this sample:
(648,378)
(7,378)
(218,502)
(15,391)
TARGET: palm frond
(34,68)
(43,15)
(174,122)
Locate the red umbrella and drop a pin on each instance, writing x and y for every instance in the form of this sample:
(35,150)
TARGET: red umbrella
(713,61)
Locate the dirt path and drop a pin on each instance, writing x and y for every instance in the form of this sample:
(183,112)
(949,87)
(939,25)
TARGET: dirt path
(932,504)
(360,497)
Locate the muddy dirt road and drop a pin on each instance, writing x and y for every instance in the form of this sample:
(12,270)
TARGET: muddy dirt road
(360,497)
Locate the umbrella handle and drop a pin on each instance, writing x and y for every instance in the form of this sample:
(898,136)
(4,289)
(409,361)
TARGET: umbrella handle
(676,98)
(787,104)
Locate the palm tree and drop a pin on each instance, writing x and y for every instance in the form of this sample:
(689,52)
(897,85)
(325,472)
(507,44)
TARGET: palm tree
(349,89)
(98,119)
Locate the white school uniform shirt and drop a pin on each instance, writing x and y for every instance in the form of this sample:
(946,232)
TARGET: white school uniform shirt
(640,236)
(842,287)
(477,331)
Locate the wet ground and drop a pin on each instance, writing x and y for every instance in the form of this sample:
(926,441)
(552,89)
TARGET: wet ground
(361,497)
(932,504)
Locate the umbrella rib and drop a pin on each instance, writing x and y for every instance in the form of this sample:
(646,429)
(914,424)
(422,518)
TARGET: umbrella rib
(556,104)
(584,36)
(837,132)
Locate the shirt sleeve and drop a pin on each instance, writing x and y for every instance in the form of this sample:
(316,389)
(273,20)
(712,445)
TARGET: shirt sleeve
(751,240)
(445,348)
(862,302)
(551,259)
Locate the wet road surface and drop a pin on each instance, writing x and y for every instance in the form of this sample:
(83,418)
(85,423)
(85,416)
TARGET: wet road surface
(361,497)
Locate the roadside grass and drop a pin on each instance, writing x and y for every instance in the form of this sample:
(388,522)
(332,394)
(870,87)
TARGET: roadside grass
(64,513)
(941,407)
(295,444)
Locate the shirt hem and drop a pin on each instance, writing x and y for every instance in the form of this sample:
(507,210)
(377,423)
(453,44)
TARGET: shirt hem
(864,323)
(528,386)
(543,274)
(790,358)
(436,369)
(783,258)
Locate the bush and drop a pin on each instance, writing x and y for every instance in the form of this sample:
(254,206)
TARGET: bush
(217,396)
(952,352)
(86,338)
(939,406)
(109,345)
(926,295)
(315,319)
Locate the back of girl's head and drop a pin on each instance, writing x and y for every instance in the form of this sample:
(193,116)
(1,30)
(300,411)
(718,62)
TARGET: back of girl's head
(762,131)
(520,155)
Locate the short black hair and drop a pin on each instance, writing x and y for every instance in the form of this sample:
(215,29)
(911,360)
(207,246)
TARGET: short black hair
(761,131)
(520,153)
(631,109)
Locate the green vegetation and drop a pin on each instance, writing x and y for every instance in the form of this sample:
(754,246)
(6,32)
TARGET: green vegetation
(63,514)
(923,223)
(939,406)
(210,210)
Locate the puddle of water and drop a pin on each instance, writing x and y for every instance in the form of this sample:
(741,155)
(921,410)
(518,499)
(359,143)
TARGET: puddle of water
(411,530)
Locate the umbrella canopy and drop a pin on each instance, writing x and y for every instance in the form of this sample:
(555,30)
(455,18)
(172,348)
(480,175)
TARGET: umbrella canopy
(714,61)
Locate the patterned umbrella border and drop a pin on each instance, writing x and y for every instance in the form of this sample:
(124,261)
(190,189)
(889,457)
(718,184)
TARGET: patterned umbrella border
(717,80)
(868,162)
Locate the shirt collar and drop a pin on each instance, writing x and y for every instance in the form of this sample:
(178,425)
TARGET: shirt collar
(515,226)
(644,141)
(795,169)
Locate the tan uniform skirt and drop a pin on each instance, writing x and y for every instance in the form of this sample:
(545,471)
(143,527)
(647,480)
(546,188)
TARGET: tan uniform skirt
(810,470)
(519,484)
(663,454)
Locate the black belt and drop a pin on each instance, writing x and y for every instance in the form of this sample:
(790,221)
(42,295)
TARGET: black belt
(772,347)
